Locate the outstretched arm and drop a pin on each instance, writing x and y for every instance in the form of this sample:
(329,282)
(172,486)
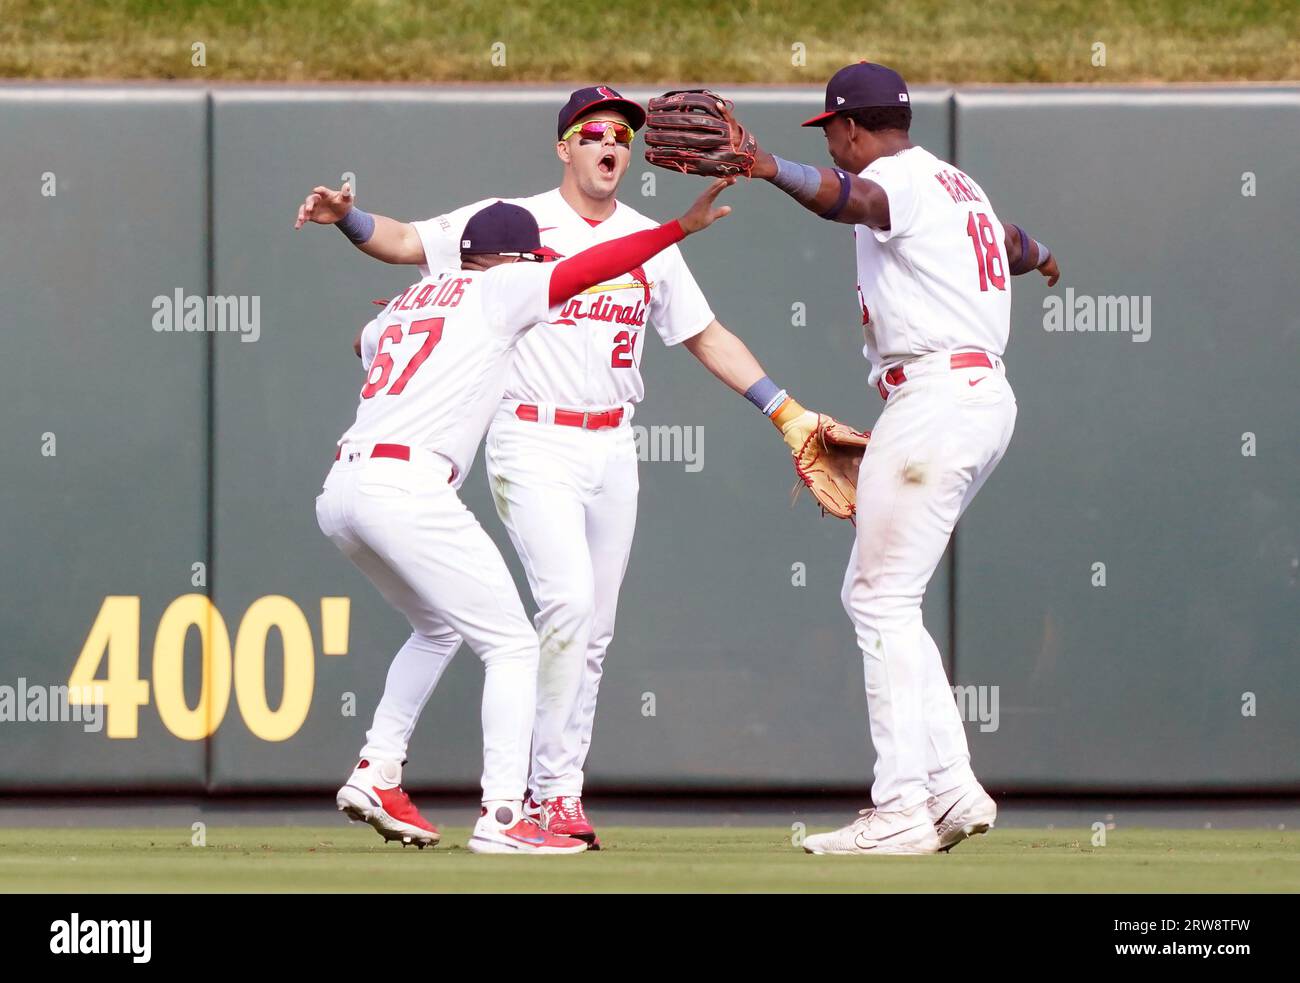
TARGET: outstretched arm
(614,258)
(730,359)
(386,239)
(726,356)
(830,192)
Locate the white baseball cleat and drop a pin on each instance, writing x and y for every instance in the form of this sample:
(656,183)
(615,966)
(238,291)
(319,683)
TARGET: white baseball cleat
(533,809)
(908,831)
(501,828)
(962,812)
(373,794)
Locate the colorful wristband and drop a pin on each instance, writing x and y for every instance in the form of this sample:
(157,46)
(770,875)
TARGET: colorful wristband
(766,395)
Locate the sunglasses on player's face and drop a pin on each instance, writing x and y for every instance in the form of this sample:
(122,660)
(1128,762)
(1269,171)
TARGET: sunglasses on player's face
(594,129)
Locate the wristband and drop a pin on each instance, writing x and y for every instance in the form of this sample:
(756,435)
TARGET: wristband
(1023,266)
(765,395)
(846,186)
(357,225)
(1019,266)
(800,181)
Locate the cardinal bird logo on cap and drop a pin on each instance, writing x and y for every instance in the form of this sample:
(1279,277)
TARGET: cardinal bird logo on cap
(606,92)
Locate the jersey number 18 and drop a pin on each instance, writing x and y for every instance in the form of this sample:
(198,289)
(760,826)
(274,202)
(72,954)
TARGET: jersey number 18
(988,257)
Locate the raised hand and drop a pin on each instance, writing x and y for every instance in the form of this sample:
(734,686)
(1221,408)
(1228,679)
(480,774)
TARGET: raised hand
(702,214)
(325,206)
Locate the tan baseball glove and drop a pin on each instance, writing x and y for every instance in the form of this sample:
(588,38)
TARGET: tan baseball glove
(826,455)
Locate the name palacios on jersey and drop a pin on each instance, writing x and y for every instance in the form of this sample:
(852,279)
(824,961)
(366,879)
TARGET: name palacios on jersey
(604,307)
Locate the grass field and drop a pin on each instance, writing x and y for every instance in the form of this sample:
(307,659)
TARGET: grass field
(667,41)
(641,860)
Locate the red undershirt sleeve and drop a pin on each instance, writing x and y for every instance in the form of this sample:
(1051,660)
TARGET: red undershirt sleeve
(610,259)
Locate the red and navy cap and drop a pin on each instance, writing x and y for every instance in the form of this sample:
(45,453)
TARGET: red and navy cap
(862,86)
(594,97)
(501,228)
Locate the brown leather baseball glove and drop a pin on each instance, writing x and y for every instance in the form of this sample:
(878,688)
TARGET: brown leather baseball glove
(827,463)
(692,131)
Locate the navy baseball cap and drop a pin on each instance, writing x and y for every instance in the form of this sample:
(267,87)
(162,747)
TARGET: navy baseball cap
(501,228)
(592,97)
(862,86)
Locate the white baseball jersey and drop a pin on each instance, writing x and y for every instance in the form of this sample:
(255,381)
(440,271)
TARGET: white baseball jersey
(437,357)
(588,356)
(937,278)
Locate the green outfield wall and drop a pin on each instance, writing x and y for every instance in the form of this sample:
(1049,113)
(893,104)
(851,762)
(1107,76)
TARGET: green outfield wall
(1119,608)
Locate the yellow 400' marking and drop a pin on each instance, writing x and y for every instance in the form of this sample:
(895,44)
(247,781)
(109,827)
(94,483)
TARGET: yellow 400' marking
(116,634)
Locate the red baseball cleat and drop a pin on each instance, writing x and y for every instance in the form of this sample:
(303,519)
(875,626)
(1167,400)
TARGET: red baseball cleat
(505,831)
(564,815)
(373,794)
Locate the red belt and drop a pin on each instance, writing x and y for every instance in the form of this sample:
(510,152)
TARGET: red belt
(588,420)
(895,377)
(399,451)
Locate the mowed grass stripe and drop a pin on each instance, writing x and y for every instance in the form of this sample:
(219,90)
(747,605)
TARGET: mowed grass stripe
(640,859)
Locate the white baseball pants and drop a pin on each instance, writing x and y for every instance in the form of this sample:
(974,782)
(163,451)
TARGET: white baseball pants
(942,433)
(568,498)
(406,529)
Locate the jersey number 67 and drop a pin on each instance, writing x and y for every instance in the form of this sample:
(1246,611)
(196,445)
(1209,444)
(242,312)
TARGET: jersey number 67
(431,328)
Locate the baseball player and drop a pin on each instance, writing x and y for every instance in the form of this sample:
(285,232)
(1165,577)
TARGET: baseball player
(934,266)
(560,455)
(436,366)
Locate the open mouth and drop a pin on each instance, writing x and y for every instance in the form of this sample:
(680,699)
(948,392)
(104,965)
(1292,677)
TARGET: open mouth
(607,164)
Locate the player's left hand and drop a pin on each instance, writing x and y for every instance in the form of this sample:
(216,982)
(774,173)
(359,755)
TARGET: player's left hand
(1050,270)
(693,131)
(828,461)
(796,431)
(764,164)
